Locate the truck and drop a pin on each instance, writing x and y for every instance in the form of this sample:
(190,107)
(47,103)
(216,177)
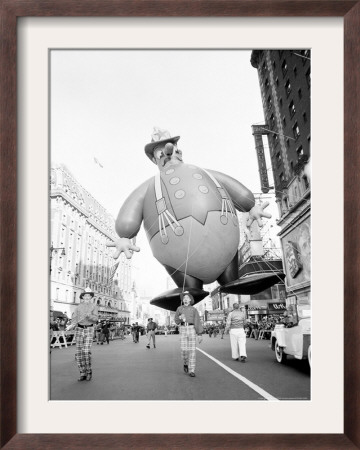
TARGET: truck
(293,336)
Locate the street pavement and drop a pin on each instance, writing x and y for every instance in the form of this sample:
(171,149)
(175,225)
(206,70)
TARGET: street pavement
(123,370)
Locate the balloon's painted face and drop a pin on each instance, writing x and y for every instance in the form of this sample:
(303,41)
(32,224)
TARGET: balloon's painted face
(186,300)
(166,155)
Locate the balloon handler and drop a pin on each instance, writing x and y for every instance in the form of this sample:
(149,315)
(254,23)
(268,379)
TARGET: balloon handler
(187,317)
(190,220)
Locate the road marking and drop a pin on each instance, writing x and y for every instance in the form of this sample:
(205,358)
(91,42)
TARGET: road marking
(249,383)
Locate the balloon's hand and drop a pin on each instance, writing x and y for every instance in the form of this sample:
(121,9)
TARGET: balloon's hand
(123,245)
(256,213)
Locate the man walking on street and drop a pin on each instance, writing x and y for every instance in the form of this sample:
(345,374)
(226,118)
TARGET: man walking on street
(83,320)
(136,332)
(151,329)
(189,320)
(235,322)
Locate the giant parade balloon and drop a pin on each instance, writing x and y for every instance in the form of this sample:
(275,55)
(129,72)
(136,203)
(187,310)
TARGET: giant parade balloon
(190,220)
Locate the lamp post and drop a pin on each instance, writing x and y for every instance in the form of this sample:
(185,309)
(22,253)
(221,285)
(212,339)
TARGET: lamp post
(55,249)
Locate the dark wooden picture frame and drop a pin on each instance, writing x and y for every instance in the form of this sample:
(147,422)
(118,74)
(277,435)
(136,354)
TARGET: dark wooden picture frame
(11,10)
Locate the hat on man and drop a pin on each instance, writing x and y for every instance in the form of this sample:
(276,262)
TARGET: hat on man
(159,137)
(87,291)
(187,293)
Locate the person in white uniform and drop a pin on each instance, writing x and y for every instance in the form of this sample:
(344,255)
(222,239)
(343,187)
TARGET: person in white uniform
(235,323)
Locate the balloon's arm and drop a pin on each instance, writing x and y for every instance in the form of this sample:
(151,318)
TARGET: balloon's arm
(240,195)
(129,221)
(130,216)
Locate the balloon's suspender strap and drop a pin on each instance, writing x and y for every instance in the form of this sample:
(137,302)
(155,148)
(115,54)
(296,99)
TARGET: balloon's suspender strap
(164,214)
(226,205)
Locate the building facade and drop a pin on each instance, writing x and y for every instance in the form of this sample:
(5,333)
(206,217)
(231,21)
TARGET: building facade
(285,84)
(79,258)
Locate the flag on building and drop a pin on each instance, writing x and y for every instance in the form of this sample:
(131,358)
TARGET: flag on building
(96,161)
(113,271)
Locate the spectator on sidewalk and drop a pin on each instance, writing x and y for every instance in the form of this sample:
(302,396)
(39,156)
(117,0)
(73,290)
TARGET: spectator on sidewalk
(105,332)
(122,331)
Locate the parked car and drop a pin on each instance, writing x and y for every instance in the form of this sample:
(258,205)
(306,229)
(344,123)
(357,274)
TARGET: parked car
(294,336)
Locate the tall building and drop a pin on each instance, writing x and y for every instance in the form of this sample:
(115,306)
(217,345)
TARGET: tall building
(79,257)
(285,84)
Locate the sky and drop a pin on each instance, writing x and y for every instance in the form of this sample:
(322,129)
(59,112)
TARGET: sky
(105,104)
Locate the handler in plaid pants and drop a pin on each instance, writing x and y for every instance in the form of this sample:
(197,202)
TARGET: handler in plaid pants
(189,320)
(84,339)
(188,346)
(83,320)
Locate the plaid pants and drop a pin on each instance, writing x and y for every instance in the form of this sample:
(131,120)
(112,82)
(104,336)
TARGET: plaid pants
(84,339)
(187,346)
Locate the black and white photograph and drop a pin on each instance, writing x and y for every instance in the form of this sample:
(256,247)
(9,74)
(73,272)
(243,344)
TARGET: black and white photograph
(180,225)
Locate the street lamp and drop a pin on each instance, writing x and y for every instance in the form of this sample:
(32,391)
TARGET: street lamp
(55,249)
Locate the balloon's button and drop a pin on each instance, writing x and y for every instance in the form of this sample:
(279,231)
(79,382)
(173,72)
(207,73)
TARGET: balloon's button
(164,239)
(223,219)
(203,189)
(180,193)
(179,231)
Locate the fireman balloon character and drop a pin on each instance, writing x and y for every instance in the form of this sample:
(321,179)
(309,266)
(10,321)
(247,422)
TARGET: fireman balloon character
(189,216)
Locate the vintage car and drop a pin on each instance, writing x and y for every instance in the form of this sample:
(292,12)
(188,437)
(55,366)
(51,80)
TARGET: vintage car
(294,336)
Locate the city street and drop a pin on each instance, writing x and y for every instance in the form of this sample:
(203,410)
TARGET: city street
(124,370)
